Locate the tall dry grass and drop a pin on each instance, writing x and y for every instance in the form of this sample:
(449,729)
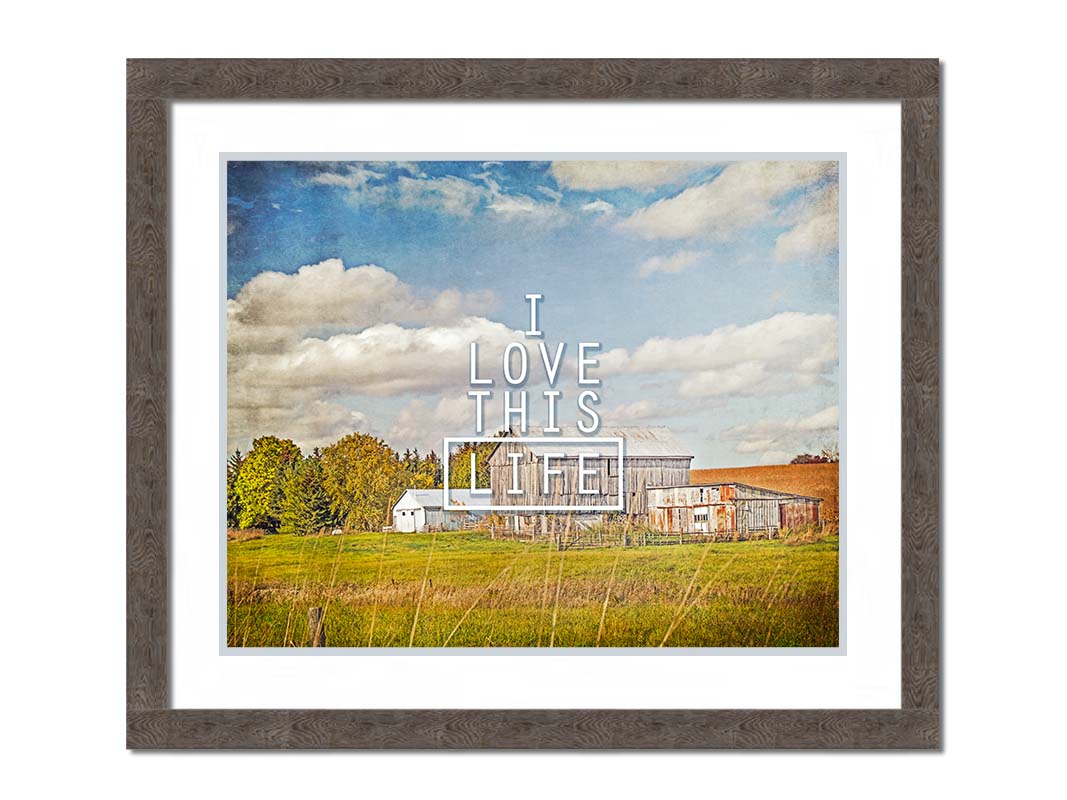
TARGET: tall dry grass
(466,590)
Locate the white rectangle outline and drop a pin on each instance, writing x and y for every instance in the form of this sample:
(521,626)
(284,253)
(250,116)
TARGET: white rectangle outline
(618,440)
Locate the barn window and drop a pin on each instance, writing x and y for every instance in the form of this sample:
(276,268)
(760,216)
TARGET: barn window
(702,497)
(613,466)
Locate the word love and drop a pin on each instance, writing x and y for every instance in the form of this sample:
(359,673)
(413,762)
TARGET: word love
(515,363)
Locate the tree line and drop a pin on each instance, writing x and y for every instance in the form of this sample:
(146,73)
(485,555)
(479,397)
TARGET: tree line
(352,484)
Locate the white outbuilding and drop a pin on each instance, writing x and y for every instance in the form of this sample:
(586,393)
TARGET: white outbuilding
(423,509)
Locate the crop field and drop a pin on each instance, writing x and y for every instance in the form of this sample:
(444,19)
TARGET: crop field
(465,589)
(813,480)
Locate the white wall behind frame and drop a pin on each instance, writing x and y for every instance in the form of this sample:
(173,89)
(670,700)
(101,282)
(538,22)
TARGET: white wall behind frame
(867,676)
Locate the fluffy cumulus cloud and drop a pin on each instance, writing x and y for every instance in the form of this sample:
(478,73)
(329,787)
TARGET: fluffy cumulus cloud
(787,352)
(300,344)
(675,262)
(275,310)
(742,196)
(776,440)
(382,360)
(593,176)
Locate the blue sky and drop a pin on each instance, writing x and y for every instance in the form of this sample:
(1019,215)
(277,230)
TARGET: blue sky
(712,286)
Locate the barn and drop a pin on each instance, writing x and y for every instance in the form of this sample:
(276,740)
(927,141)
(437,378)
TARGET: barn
(729,510)
(420,510)
(652,456)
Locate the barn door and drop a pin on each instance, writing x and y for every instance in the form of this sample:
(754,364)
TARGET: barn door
(701,518)
(722,522)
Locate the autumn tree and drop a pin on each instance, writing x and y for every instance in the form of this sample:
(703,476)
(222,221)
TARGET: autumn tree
(364,477)
(459,465)
(431,466)
(305,505)
(425,472)
(258,485)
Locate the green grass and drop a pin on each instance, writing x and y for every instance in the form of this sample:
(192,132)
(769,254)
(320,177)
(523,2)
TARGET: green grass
(479,592)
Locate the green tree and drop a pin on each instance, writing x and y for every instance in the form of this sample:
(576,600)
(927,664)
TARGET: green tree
(459,465)
(364,477)
(425,473)
(431,467)
(233,504)
(305,505)
(259,482)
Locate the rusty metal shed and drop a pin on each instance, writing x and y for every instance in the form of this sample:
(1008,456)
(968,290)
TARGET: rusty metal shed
(729,510)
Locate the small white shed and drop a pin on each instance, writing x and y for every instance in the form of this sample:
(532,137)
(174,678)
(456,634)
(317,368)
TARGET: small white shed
(420,509)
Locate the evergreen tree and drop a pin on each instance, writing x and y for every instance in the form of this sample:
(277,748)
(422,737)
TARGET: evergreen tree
(305,504)
(233,503)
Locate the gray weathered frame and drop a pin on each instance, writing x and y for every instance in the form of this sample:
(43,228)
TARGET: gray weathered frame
(152,84)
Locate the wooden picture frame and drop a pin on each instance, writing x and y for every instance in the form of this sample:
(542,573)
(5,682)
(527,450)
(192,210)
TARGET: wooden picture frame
(152,84)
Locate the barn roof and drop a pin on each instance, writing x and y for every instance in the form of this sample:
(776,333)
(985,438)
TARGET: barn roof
(778,492)
(434,498)
(639,442)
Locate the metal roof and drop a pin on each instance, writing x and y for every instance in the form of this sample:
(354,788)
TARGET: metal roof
(638,442)
(778,492)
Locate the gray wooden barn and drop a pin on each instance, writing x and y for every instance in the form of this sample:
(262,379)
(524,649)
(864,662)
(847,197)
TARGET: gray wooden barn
(652,456)
(729,510)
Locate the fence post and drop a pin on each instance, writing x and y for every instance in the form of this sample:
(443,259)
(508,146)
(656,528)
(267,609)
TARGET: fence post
(316,628)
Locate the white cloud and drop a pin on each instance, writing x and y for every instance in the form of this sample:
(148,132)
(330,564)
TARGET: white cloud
(510,207)
(643,409)
(592,176)
(778,440)
(411,167)
(362,185)
(816,231)
(740,197)
(274,309)
(424,426)
(601,207)
(784,353)
(447,194)
(299,343)
(382,360)
(676,262)
(550,193)
(309,423)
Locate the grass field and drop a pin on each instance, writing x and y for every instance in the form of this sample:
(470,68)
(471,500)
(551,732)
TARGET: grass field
(468,590)
(813,480)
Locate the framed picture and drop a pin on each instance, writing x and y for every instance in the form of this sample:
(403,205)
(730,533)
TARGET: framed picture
(605,416)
